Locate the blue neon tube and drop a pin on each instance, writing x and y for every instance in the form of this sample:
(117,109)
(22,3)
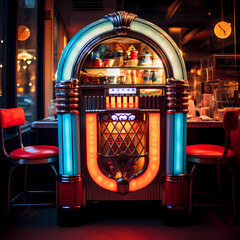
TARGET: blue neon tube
(178,143)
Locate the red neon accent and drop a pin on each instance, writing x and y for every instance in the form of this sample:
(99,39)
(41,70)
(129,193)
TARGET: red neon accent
(207,151)
(91,147)
(11,117)
(34,152)
(107,101)
(176,193)
(70,194)
(154,155)
(113,102)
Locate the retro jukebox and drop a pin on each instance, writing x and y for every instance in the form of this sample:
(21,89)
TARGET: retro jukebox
(122,103)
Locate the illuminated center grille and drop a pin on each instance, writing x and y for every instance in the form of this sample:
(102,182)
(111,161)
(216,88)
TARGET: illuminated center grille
(122,144)
(122,135)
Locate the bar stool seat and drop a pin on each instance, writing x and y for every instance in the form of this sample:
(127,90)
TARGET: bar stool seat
(32,153)
(208,154)
(25,156)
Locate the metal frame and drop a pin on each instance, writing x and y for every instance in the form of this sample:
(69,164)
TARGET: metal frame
(221,161)
(129,159)
(18,162)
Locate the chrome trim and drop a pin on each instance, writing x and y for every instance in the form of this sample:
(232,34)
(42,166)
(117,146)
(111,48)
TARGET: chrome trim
(67,96)
(70,207)
(121,21)
(176,178)
(33,161)
(177,207)
(70,178)
(177,96)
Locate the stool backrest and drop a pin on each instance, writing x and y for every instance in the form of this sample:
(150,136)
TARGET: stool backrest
(11,117)
(230,119)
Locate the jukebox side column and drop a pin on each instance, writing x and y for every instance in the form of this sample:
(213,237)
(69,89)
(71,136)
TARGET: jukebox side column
(176,139)
(70,193)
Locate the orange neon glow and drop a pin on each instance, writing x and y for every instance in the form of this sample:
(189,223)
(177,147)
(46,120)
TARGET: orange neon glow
(154,155)
(91,148)
(107,102)
(113,103)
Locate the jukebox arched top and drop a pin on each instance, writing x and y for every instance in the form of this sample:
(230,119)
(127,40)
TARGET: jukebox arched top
(120,24)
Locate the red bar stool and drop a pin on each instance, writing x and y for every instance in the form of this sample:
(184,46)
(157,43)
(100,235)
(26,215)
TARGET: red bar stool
(207,154)
(31,155)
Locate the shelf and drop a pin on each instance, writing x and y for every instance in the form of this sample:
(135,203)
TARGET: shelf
(117,71)
(103,86)
(124,67)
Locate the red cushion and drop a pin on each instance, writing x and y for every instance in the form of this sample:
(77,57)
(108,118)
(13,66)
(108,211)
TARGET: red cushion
(207,151)
(34,152)
(11,117)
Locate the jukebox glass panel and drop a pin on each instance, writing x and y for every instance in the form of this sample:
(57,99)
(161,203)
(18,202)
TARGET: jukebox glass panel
(122,60)
(122,140)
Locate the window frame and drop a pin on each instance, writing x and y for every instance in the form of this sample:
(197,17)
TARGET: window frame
(9,91)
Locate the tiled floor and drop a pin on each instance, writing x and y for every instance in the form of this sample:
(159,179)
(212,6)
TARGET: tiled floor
(40,224)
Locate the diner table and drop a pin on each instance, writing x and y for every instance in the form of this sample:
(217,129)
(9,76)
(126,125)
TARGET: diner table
(198,131)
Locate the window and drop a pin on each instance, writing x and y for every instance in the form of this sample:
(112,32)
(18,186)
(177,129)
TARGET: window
(1,51)
(59,38)
(26,59)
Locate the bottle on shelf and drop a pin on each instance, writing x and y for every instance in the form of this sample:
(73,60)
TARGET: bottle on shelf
(118,58)
(128,77)
(133,77)
(154,76)
(132,54)
(147,76)
(146,59)
(139,76)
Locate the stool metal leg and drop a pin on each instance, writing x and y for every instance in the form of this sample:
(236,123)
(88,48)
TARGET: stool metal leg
(191,189)
(10,200)
(9,188)
(25,185)
(233,194)
(56,185)
(218,178)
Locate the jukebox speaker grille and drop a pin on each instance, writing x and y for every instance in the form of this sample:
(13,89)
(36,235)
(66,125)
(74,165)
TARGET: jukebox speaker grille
(122,145)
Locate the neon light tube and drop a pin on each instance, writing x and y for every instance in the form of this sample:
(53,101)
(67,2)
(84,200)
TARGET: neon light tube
(178,143)
(76,144)
(165,42)
(60,144)
(91,148)
(67,145)
(184,143)
(169,143)
(71,51)
(154,155)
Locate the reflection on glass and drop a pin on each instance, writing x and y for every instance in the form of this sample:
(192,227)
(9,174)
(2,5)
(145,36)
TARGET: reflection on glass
(122,61)
(1,50)
(26,59)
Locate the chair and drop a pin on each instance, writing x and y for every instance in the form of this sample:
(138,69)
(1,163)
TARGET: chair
(31,155)
(207,154)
